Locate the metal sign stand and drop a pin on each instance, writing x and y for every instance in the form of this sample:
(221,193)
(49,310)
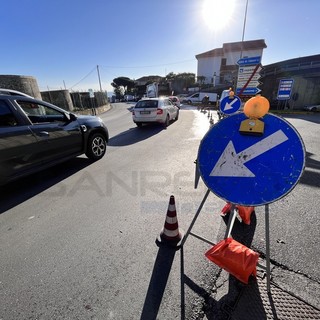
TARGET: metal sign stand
(217,157)
(231,221)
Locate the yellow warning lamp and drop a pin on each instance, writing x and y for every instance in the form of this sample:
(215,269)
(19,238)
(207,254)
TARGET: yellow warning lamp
(254,109)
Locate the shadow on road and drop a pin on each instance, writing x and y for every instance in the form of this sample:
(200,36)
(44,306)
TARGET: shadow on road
(311,177)
(23,189)
(307,116)
(222,308)
(158,282)
(134,135)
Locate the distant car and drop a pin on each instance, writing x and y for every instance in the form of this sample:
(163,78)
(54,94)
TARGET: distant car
(154,110)
(314,107)
(175,100)
(35,135)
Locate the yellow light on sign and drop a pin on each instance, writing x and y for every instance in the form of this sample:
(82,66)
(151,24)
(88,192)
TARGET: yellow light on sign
(256,107)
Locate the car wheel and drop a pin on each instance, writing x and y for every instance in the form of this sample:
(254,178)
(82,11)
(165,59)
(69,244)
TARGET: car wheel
(139,124)
(167,122)
(314,109)
(97,145)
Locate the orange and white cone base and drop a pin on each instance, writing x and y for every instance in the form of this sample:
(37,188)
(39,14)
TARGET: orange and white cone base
(170,233)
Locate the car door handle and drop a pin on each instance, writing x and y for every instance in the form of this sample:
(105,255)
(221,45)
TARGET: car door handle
(44,134)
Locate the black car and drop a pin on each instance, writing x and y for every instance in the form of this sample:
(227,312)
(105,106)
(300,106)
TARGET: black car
(35,135)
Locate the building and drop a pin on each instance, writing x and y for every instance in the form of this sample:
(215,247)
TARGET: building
(219,66)
(218,69)
(305,73)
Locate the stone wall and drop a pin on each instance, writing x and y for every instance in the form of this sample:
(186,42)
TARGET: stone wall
(25,84)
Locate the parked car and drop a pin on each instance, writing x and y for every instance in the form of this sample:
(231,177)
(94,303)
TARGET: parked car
(35,135)
(314,107)
(175,100)
(154,110)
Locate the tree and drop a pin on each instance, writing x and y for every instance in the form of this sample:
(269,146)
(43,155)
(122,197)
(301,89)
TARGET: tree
(126,83)
(201,79)
(170,76)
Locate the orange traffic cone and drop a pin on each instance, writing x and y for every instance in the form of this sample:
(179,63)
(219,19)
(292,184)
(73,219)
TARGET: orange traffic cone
(170,234)
(235,258)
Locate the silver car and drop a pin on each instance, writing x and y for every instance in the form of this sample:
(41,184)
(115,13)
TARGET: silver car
(155,110)
(314,107)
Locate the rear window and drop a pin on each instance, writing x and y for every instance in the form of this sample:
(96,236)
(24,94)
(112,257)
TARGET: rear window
(147,104)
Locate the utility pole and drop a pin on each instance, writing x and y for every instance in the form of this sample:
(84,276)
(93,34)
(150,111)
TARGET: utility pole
(99,78)
(244,28)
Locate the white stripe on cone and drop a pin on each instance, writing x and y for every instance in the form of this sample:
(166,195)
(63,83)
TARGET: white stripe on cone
(171,220)
(172,207)
(170,233)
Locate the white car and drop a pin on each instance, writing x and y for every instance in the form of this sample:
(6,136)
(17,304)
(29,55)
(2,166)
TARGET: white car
(313,107)
(154,110)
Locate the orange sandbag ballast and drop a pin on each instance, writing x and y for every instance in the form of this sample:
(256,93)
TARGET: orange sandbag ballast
(235,258)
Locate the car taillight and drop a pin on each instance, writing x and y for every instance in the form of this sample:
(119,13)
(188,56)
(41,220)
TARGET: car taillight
(159,111)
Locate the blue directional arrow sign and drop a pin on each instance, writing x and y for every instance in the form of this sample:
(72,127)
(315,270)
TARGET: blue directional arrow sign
(248,91)
(251,170)
(249,61)
(230,106)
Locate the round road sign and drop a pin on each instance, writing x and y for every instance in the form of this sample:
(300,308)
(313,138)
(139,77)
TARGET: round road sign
(251,170)
(230,105)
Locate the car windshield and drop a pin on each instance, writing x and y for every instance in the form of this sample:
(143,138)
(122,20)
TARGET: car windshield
(147,104)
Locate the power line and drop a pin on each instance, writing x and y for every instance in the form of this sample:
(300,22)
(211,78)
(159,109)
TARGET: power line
(129,67)
(148,66)
(83,78)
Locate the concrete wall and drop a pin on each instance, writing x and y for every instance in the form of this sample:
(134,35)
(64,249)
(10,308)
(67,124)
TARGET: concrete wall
(305,73)
(25,84)
(60,98)
(82,100)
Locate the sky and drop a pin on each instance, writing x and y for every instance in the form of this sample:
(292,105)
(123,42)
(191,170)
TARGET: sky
(68,44)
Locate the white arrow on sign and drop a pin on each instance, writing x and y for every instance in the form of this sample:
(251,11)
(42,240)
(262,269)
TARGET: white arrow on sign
(246,77)
(249,69)
(229,105)
(232,164)
(241,84)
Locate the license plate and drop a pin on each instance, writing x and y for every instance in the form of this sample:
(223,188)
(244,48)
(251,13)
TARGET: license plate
(144,112)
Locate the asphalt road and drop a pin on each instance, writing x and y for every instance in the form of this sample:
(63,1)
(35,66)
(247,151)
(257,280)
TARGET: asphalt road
(78,240)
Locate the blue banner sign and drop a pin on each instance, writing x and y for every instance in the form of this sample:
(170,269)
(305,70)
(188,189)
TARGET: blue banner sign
(249,61)
(285,89)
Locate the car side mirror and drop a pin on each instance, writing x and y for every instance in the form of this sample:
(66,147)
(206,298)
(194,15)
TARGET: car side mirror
(70,116)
